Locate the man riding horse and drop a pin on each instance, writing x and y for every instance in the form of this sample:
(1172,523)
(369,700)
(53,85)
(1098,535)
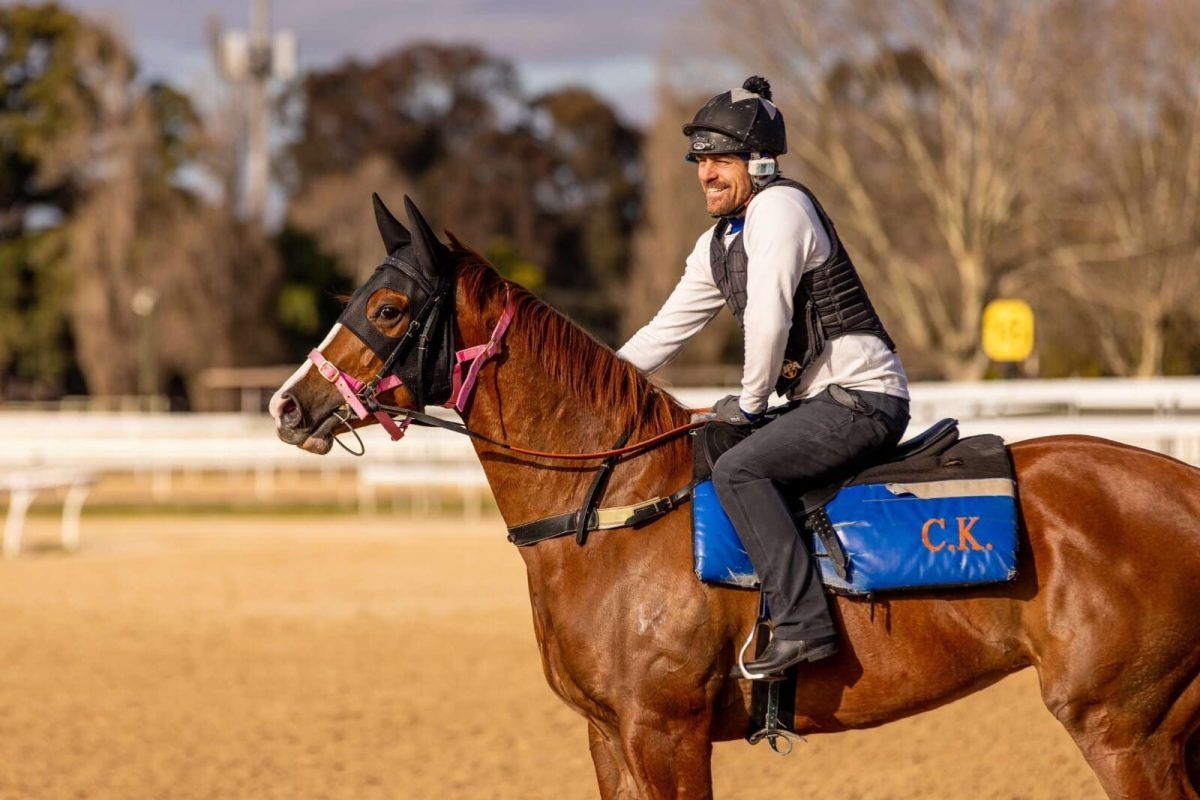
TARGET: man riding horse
(811,334)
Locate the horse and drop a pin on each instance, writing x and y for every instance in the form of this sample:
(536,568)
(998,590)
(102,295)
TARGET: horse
(1105,605)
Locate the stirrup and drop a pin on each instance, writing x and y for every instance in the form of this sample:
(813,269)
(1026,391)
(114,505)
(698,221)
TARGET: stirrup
(781,740)
(774,733)
(763,628)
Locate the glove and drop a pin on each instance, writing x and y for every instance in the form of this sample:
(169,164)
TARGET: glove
(728,410)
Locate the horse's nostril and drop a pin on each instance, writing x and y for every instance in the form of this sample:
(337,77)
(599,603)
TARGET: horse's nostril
(290,415)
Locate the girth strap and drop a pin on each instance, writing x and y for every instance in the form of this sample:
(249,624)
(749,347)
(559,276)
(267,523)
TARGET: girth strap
(599,519)
(819,524)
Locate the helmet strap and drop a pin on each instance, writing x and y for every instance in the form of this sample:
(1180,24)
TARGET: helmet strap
(763,170)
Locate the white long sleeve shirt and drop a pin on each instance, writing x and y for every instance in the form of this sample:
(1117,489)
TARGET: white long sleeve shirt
(784,238)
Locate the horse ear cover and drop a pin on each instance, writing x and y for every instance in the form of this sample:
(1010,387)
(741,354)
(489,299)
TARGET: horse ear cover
(429,250)
(394,234)
(416,269)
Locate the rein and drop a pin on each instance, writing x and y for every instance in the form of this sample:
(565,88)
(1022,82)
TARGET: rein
(431,421)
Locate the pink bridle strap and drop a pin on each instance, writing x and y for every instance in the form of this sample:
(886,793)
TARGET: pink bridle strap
(463,386)
(349,386)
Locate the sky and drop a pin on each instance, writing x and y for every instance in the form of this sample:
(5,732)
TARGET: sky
(612,47)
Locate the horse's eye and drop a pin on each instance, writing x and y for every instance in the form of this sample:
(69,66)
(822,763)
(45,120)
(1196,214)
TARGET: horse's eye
(389,313)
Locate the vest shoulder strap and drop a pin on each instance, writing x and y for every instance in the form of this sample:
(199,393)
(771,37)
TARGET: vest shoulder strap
(835,244)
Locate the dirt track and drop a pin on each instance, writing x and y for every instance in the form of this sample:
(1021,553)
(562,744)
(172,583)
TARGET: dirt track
(218,657)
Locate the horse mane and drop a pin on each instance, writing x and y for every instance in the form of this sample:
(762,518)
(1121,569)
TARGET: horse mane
(571,356)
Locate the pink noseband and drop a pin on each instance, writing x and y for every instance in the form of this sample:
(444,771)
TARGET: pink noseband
(462,386)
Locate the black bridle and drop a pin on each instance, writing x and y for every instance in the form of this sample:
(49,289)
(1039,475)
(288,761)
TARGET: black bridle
(429,322)
(362,399)
(424,324)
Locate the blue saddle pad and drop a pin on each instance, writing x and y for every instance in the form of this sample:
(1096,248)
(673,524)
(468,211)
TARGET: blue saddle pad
(896,535)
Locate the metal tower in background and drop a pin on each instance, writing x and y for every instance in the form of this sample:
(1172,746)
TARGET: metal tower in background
(250,61)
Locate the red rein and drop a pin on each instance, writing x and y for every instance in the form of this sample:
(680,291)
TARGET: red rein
(633,448)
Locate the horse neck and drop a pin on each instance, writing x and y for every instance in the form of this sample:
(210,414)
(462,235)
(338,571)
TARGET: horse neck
(517,401)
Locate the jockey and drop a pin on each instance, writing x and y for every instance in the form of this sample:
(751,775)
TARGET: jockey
(811,334)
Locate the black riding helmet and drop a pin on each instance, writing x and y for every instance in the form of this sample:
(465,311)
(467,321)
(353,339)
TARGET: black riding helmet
(738,121)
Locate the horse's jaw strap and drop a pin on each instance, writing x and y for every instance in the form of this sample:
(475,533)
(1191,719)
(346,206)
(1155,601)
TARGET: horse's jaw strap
(599,519)
(463,386)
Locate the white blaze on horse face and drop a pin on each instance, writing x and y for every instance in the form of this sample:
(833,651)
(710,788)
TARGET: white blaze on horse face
(276,404)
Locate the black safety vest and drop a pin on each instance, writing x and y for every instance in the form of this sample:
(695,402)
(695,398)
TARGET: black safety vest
(829,302)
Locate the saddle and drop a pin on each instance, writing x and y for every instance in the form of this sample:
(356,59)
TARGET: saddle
(717,437)
(935,510)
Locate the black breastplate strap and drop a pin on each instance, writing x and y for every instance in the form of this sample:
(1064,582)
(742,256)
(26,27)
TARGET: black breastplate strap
(598,519)
(599,484)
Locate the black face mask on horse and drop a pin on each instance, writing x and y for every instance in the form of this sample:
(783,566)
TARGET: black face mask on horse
(422,358)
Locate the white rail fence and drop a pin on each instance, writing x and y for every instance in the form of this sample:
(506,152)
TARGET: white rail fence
(69,450)
(24,485)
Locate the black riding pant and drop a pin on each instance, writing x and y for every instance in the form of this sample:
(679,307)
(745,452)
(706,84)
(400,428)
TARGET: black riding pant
(818,440)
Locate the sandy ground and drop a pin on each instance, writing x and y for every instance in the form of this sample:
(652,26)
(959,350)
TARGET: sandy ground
(256,657)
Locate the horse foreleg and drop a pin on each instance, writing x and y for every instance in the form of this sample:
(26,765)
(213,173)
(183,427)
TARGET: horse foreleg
(1185,716)
(1133,768)
(1134,758)
(611,772)
(668,758)
(1191,759)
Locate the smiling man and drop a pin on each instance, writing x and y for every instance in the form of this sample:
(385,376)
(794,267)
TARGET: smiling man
(811,334)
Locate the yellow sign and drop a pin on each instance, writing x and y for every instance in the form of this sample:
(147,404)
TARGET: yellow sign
(1008,330)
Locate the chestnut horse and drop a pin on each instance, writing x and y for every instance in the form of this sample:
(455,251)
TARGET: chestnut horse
(1106,606)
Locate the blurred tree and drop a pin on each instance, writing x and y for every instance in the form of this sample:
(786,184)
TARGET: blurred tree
(513,265)
(593,193)
(161,283)
(118,192)
(976,149)
(35,286)
(45,111)
(97,225)
(417,106)
(673,218)
(550,186)
(490,198)
(1129,213)
(922,126)
(307,303)
(335,208)
(217,280)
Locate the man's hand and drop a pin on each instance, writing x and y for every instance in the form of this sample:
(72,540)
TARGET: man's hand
(728,410)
